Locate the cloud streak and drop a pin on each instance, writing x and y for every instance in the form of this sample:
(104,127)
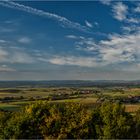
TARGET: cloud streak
(106,2)
(62,20)
(5,68)
(73,61)
(24,40)
(120,11)
(116,50)
(15,55)
(88,24)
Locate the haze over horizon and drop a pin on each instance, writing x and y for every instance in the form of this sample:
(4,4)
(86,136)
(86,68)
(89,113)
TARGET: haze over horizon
(69,40)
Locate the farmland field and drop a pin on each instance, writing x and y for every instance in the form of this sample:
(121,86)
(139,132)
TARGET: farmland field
(13,99)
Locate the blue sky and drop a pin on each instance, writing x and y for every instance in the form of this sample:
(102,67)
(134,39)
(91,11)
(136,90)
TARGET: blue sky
(68,40)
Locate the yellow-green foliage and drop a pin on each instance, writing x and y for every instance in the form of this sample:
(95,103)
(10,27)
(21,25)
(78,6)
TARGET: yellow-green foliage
(42,120)
(115,121)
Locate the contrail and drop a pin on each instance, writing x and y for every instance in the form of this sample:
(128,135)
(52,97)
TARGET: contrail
(62,20)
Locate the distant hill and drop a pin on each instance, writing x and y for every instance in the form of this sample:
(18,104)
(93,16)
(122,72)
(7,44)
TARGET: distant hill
(69,83)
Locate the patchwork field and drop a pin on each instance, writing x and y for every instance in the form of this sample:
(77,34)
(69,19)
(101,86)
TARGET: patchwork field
(13,99)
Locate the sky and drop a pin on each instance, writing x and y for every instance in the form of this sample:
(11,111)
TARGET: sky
(69,40)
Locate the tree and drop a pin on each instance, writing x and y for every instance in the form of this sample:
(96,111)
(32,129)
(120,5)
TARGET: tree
(4,118)
(137,124)
(116,123)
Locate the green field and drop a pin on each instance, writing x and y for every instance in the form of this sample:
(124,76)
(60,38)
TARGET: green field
(14,98)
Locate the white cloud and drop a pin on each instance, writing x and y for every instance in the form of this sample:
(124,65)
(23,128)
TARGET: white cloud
(115,50)
(88,24)
(132,20)
(3,55)
(118,40)
(120,11)
(87,44)
(131,28)
(24,40)
(121,48)
(126,28)
(2,41)
(15,55)
(96,23)
(72,36)
(21,57)
(137,9)
(73,60)
(105,2)
(5,68)
(62,20)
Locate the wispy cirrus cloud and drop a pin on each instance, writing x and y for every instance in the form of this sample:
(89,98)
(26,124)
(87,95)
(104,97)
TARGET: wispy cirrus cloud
(62,20)
(72,60)
(15,55)
(133,20)
(5,68)
(120,11)
(3,55)
(105,2)
(2,41)
(88,24)
(72,36)
(116,49)
(24,40)
(130,29)
(137,9)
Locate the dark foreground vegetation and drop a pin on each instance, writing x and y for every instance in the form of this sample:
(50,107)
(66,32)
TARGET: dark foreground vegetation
(42,120)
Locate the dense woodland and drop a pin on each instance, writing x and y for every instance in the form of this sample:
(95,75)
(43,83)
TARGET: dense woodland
(42,120)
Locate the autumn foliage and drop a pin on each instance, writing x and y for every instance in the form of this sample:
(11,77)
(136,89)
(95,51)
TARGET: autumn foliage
(43,120)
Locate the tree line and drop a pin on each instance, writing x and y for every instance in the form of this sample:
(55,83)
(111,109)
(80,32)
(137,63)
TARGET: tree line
(43,120)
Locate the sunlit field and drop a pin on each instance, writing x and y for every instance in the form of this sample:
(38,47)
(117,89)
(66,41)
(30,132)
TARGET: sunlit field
(14,98)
